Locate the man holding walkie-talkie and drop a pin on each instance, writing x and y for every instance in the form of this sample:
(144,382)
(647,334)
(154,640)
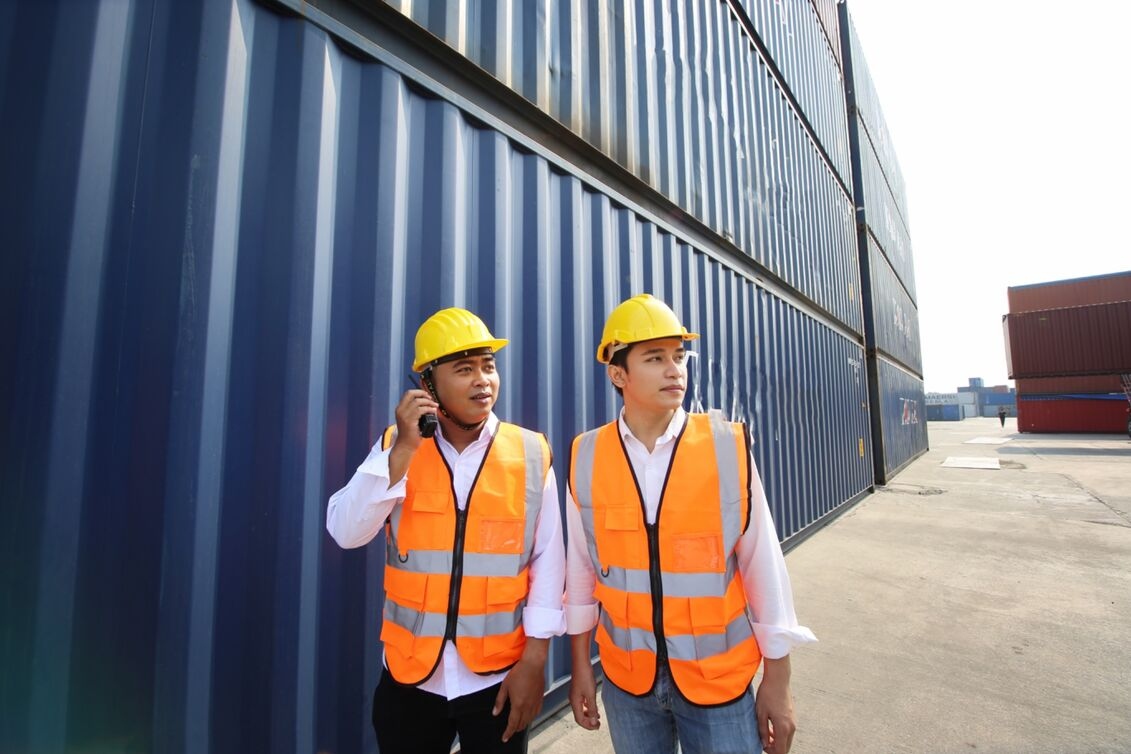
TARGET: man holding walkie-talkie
(474,565)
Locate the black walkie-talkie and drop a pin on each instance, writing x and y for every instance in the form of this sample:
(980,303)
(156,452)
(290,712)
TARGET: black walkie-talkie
(428,422)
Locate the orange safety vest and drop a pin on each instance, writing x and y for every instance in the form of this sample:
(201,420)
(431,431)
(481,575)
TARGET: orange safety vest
(462,575)
(670,591)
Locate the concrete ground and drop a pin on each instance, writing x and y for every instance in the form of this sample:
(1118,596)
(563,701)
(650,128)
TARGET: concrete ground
(963,609)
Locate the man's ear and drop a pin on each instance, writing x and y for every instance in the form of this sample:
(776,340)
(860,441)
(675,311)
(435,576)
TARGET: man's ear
(616,375)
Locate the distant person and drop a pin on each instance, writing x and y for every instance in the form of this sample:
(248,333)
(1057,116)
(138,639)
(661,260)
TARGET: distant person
(1002,412)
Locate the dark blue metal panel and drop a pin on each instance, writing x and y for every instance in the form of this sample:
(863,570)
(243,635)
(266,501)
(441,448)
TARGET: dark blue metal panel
(221,231)
(903,417)
(880,193)
(881,216)
(803,42)
(679,94)
(896,316)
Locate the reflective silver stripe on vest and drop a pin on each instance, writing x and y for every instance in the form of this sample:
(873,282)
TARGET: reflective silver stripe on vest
(685,647)
(637,580)
(681,647)
(434,625)
(414,621)
(583,491)
(730,488)
(629,639)
(439,562)
(535,484)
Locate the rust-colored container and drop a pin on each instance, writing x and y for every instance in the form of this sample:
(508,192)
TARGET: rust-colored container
(1100,289)
(1096,415)
(1082,340)
(1096,383)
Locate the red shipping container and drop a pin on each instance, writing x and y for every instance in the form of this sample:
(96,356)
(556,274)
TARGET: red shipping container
(1101,289)
(1072,415)
(1099,383)
(1080,340)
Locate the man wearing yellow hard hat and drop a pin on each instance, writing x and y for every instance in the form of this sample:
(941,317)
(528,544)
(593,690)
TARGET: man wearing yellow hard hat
(474,560)
(671,538)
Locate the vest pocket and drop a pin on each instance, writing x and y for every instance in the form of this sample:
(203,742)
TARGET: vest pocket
(406,588)
(501,535)
(506,590)
(430,502)
(697,552)
(622,518)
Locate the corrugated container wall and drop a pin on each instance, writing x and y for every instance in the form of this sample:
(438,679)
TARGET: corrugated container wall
(895,314)
(1103,383)
(1093,414)
(887,273)
(944,413)
(1099,289)
(221,230)
(682,95)
(880,193)
(902,415)
(1082,340)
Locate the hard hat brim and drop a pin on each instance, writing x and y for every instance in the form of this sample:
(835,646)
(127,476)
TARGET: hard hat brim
(603,351)
(495,344)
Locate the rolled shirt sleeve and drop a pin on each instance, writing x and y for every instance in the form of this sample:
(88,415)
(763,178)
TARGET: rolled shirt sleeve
(543,617)
(357,512)
(765,580)
(580,605)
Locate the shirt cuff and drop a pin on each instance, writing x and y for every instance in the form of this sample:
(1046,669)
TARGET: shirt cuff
(776,642)
(542,622)
(377,464)
(580,618)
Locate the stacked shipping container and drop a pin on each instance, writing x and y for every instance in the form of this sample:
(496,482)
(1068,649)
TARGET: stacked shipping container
(224,225)
(887,274)
(1067,342)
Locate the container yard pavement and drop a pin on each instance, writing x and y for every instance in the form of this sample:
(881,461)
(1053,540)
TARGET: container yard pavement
(964,609)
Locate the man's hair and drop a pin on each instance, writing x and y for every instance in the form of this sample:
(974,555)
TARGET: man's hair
(620,359)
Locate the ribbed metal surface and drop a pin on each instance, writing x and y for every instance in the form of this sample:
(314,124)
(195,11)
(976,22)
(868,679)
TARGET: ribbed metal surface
(220,233)
(803,41)
(1079,340)
(676,93)
(944,413)
(864,102)
(1087,414)
(903,415)
(1100,289)
(882,218)
(896,318)
(1103,383)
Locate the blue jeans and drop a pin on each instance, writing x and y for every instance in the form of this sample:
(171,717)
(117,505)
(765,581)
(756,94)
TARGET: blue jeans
(656,722)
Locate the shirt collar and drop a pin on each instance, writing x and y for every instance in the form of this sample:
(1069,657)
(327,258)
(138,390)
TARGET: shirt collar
(490,427)
(674,426)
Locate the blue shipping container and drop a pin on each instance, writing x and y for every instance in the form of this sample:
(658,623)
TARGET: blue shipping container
(220,232)
(946,413)
(903,434)
(889,312)
(679,95)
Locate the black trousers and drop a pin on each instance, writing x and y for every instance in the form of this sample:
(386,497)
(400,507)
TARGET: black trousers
(410,721)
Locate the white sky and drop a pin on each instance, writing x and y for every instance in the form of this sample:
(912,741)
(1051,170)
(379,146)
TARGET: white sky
(1012,123)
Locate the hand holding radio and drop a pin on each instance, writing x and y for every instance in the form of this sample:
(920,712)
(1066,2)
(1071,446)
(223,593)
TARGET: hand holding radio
(416,416)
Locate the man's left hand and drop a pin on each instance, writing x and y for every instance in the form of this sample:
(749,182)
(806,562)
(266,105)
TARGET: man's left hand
(524,686)
(774,708)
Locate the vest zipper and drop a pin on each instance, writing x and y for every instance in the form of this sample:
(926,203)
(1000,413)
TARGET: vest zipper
(457,575)
(457,548)
(653,531)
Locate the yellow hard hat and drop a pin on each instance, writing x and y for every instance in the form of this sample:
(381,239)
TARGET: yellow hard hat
(451,331)
(638,319)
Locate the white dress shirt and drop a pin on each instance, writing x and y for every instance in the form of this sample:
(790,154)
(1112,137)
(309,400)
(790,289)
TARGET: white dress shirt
(758,552)
(358,511)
